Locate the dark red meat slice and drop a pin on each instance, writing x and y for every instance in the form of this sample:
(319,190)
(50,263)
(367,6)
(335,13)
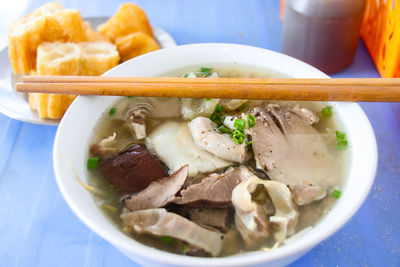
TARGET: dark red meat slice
(132,170)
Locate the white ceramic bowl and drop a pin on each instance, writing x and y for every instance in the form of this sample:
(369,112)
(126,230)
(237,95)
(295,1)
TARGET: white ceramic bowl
(75,128)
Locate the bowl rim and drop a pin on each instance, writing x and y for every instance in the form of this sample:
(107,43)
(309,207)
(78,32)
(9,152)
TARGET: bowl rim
(249,258)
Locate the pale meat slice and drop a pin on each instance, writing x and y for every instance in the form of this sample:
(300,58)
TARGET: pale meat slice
(206,136)
(214,190)
(306,114)
(174,145)
(262,208)
(291,151)
(159,192)
(160,222)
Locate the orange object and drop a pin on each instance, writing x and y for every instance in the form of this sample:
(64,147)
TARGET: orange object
(381,33)
(282,9)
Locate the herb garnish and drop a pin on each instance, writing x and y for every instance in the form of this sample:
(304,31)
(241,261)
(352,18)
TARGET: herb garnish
(223,129)
(185,248)
(167,239)
(238,136)
(217,115)
(336,193)
(92,163)
(240,124)
(251,120)
(341,141)
(205,71)
(326,112)
(112,112)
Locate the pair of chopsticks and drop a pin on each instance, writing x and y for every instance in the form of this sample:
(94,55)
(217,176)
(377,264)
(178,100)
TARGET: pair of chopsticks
(357,89)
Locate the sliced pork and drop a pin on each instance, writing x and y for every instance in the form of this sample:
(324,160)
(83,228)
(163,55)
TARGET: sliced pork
(159,192)
(206,136)
(160,222)
(174,145)
(214,191)
(291,151)
(132,170)
(263,207)
(306,114)
(106,148)
(212,218)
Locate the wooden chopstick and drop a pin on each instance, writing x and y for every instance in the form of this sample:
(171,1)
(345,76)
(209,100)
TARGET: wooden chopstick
(368,90)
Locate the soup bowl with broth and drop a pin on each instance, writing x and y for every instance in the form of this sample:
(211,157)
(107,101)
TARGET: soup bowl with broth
(278,190)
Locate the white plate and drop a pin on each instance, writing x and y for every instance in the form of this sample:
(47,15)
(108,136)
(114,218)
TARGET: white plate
(15,105)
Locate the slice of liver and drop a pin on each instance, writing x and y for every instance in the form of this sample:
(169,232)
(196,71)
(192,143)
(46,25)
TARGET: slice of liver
(211,218)
(159,192)
(291,151)
(132,170)
(214,190)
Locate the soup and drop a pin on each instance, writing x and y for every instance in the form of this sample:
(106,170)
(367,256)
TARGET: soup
(210,177)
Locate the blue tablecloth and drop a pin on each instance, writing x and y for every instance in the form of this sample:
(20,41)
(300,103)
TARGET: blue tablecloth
(37,228)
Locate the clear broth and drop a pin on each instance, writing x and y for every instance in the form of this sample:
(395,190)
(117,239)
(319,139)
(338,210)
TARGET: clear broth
(309,215)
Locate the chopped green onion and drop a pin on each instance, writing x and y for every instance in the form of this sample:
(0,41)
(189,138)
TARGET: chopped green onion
(167,239)
(340,135)
(326,111)
(185,75)
(92,163)
(336,193)
(341,145)
(223,129)
(218,108)
(208,99)
(216,116)
(251,120)
(185,249)
(341,141)
(131,97)
(239,124)
(112,111)
(238,137)
(243,106)
(205,71)
(249,143)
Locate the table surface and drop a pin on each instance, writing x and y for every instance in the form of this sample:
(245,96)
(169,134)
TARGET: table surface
(37,228)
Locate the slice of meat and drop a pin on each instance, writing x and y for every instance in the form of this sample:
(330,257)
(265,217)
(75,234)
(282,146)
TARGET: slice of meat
(254,220)
(253,236)
(132,170)
(306,114)
(214,191)
(211,218)
(206,136)
(159,192)
(291,151)
(106,148)
(160,222)
(136,119)
(173,144)
(196,252)
(306,193)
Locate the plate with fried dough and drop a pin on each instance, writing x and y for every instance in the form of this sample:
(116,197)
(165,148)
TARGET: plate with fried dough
(79,51)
